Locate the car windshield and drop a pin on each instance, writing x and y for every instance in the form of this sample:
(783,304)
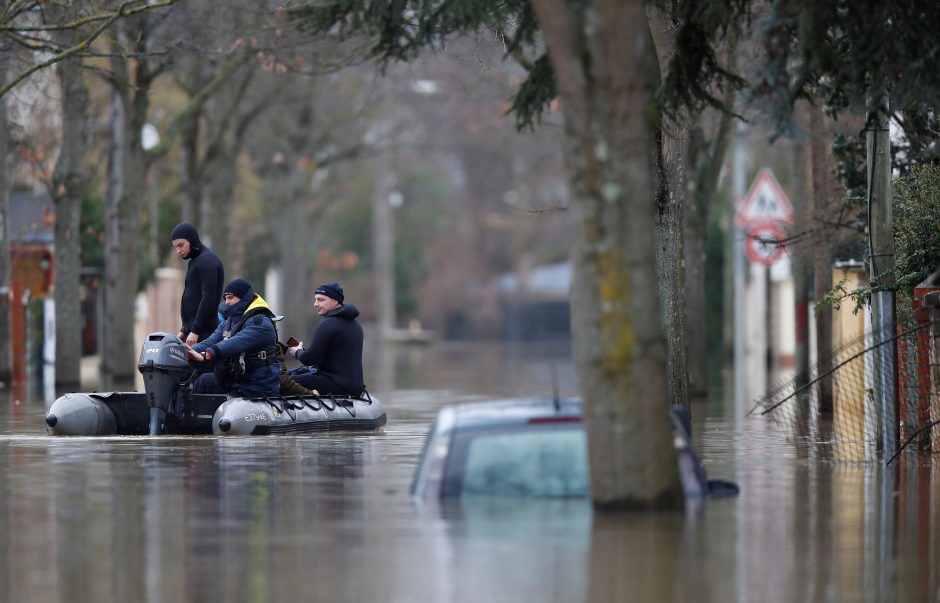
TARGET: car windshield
(544,461)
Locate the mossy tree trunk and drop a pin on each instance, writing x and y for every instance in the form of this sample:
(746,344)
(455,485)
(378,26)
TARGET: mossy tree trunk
(604,66)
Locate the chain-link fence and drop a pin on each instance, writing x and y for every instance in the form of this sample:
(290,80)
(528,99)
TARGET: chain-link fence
(837,411)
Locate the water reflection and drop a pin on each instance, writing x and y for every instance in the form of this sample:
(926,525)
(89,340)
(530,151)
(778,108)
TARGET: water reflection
(327,517)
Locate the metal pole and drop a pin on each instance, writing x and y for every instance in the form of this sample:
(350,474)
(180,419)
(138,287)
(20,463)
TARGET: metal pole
(28,342)
(383,244)
(881,237)
(154,256)
(740,382)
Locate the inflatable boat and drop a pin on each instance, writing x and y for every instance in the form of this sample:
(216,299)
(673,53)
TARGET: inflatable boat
(168,405)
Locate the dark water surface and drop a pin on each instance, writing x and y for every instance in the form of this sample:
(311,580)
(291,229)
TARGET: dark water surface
(328,517)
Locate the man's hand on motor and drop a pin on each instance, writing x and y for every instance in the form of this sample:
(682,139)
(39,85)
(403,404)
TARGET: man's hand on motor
(192,339)
(194,355)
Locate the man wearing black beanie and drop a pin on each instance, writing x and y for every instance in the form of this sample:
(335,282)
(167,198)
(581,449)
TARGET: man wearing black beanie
(203,286)
(243,348)
(335,349)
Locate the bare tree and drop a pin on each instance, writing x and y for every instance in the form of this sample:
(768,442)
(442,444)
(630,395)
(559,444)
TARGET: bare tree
(6,359)
(25,25)
(133,70)
(69,186)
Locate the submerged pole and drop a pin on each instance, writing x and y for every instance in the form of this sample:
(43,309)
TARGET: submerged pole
(881,247)
(738,264)
(156,421)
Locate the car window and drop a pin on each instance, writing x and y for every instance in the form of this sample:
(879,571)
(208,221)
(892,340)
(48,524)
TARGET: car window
(545,461)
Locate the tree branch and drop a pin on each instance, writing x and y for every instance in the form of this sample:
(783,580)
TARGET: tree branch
(122,11)
(196,102)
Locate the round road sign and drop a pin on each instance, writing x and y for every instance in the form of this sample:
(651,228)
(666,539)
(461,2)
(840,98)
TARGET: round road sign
(765,244)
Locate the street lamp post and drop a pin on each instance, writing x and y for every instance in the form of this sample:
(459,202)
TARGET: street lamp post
(149,139)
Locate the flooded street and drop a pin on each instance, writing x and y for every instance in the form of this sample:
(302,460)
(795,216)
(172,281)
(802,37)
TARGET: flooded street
(328,517)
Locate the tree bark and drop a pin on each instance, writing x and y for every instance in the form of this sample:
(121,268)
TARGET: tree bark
(670,254)
(6,291)
(673,147)
(604,66)
(70,184)
(190,181)
(215,208)
(126,169)
(801,178)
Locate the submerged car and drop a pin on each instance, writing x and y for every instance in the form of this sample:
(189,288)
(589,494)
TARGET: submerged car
(533,448)
(505,448)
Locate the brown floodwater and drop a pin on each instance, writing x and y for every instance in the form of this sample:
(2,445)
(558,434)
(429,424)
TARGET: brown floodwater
(328,517)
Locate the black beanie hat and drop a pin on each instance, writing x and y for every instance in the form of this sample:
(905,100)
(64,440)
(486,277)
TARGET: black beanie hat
(331,290)
(240,288)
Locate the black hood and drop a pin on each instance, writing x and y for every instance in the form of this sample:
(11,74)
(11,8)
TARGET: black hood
(185,230)
(349,312)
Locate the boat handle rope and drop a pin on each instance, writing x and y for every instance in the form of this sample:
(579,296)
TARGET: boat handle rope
(290,409)
(310,403)
(286,408)
(293,406)
(350,407)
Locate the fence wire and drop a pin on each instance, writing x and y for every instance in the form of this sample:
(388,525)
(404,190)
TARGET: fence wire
(836,411)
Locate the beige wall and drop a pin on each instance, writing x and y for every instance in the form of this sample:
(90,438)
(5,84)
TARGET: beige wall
(848,397)
(847,325)
(158,307)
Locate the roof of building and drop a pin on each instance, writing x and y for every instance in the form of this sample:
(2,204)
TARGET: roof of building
(32,218)
(548,280)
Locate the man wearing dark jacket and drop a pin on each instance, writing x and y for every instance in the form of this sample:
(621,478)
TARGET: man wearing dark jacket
(203,287)
(335,350)
(243,347)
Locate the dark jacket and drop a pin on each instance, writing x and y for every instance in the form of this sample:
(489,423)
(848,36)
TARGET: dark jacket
(248,329)
(202,290)
(335,350)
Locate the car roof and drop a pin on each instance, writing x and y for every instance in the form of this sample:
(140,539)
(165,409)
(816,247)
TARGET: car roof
(497,413)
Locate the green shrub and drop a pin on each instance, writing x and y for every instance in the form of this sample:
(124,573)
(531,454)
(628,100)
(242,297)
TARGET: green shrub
(916,226)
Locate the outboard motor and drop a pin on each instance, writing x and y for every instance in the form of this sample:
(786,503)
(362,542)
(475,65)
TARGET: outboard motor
(164,365)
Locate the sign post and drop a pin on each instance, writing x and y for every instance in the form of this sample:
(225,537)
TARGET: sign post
(760,211)
(765,204)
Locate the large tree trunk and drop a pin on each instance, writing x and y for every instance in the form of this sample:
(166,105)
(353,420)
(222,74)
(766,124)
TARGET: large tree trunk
(801,179)
(669,259)
(126,169)
(6,357)
(215,209)
(819,213)
(706,160)
(681,254)
(190,181)
(70,182)
(291,183)
(603,63)
(673,149)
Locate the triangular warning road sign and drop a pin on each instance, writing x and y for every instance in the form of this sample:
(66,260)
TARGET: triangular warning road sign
(765,203)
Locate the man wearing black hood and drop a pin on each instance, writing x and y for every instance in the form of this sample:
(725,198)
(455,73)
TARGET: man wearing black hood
(336,347)
(203,287)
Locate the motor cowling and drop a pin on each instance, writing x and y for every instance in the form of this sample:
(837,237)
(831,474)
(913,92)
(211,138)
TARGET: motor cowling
(164,365)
